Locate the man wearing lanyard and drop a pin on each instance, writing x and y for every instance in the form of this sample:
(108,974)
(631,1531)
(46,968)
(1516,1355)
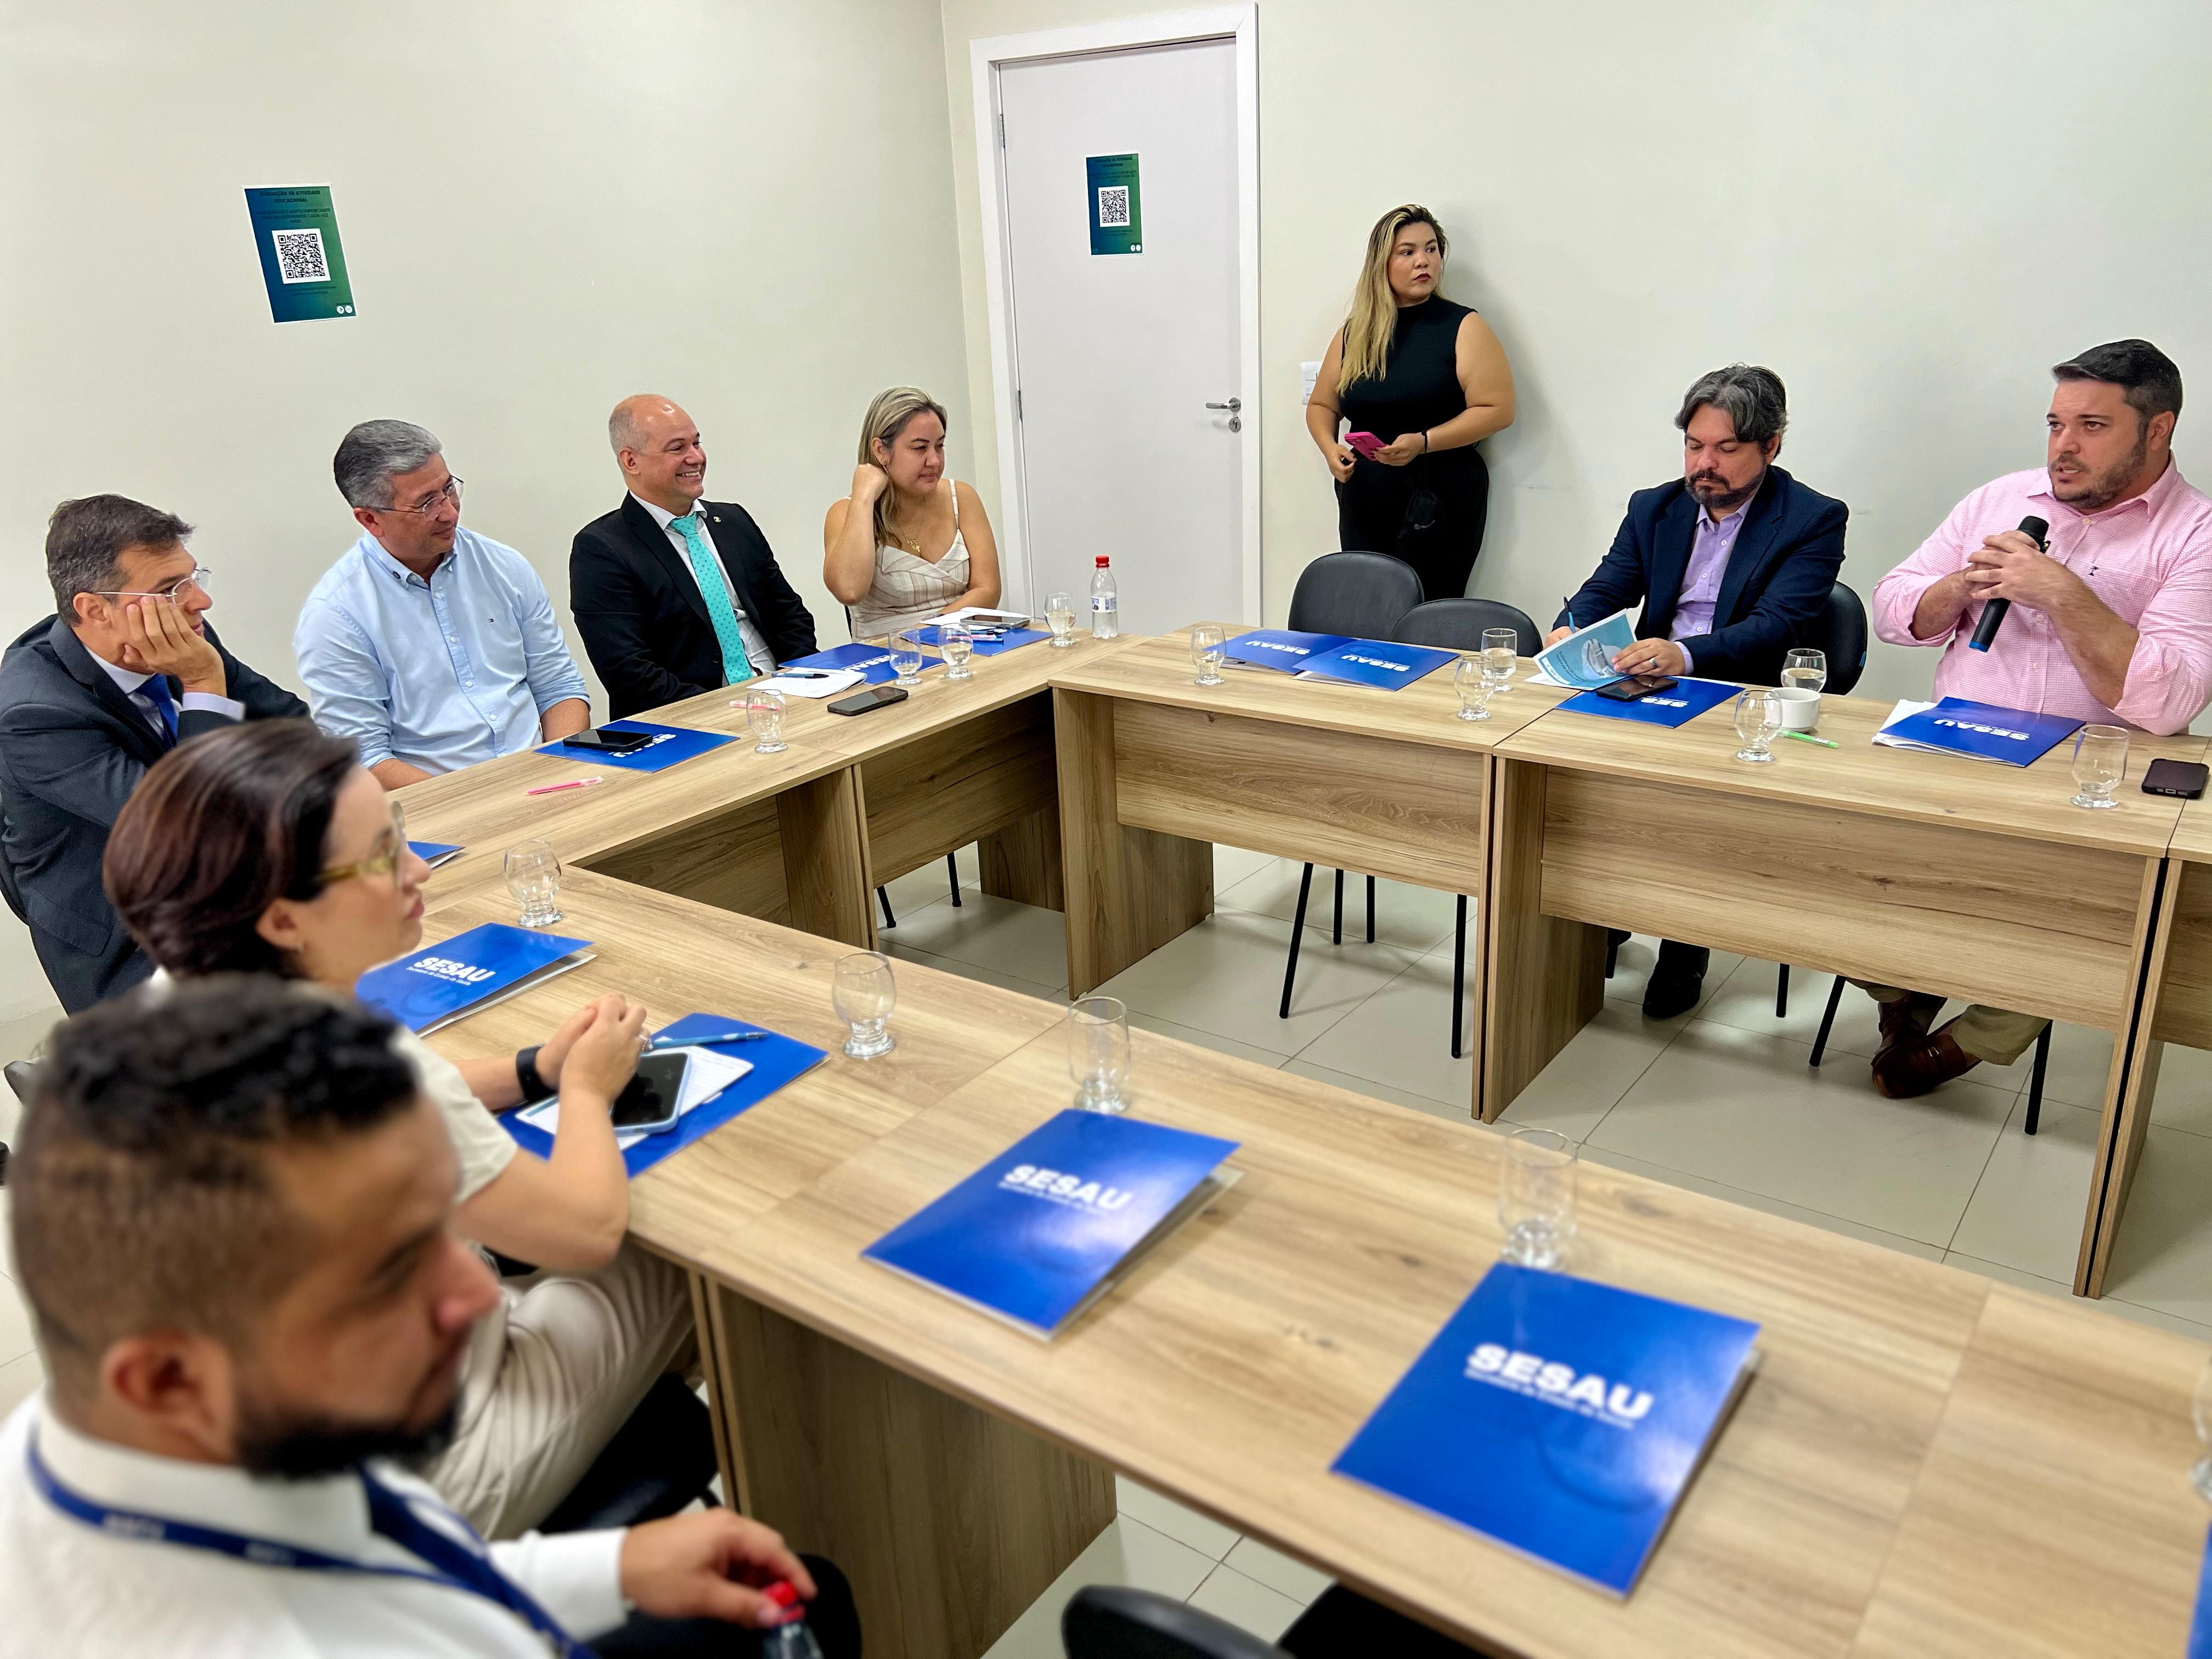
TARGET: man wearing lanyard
(233,1219)
(674,594)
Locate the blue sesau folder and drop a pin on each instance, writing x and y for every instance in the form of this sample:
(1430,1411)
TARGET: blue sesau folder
(1562,1418)
(1678,706)
(776,1060)
(442,982)
(1013,639)
(671,745)
(1378,663)
(1040,1232)
(871,662)
(2200,1623)
(1979,730)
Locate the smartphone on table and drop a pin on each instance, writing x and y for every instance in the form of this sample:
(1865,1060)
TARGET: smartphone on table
(2185,779)
(876,696)
(1635,686)
(603,741)
(653,1100)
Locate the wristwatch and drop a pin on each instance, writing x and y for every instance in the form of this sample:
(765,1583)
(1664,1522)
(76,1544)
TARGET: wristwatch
(534,1087)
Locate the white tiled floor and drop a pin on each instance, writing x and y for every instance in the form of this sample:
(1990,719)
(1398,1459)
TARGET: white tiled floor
(1720,1100)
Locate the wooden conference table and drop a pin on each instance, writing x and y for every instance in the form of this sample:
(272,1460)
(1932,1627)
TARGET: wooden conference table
(1925,1463)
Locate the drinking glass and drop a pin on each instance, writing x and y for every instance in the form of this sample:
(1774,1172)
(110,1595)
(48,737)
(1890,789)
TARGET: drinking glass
(906,658)
(958,645)
(864,995)
(2200,1409)
(2100,761)
(1098,1053)
(533,876)
(1471,679)
(1208,650)
(1536,1196)
(764,720)
(1758,718)
(1500,656)
(1059,617)
(1805,669)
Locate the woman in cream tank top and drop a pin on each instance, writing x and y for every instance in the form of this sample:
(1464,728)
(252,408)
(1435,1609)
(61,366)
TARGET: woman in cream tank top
(908,544)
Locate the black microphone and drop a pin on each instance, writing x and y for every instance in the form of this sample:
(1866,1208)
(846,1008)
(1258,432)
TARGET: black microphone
(1993,613)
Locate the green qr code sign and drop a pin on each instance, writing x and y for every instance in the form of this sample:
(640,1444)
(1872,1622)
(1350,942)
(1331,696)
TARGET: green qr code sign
(1114,204)
(295,233)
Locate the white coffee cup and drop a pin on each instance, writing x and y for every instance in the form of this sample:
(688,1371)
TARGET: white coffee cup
(1801,710)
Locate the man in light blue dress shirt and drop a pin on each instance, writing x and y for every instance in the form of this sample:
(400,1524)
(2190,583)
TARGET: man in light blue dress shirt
(431,646)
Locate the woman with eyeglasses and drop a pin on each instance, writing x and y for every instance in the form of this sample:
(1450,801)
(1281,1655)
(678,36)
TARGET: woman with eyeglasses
(269,848)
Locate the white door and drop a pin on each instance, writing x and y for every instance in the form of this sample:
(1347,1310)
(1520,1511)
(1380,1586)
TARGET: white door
(1117,355)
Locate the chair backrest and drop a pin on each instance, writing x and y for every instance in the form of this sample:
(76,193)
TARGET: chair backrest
(1841,632)
(1111,1621)
(1362,594)
(20,1074)
(1459,624)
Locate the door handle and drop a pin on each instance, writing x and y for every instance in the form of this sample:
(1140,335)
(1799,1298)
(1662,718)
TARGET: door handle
(1233,405)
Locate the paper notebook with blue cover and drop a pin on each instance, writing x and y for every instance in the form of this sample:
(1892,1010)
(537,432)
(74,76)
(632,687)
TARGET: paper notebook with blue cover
(1978,731)
(435,853)
(986,644)
(1678,706)
(671,745)
(871,662)
(772,1061)
(487,964)
(1042,1229)
(1280,648)
(1376,663)
(1562,1418)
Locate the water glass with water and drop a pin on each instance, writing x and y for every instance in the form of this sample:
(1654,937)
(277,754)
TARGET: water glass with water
(864,995)
(1098,1053)
(533,876)
(1471,679)
(1209,649)
(2100,761)
(1059,617)
(1805,669)
(1500,656)
(906,658)
(764,720)
(1758,718)
(958,646)
(1536,1196)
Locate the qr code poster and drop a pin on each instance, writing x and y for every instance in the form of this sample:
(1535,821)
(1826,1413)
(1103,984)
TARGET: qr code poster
(295,230)
(1116,204)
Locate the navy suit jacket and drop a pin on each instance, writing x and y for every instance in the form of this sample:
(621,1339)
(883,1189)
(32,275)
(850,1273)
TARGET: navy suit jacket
(638,607)
(72,748)
(1779,573)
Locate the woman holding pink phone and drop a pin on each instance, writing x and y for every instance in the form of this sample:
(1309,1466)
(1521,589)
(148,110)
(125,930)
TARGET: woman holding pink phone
(1418,382)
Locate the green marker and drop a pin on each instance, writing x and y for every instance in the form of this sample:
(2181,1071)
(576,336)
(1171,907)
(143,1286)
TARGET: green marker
(1801,736)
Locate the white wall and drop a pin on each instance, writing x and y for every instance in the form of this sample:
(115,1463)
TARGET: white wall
(1909,211)
(545,205)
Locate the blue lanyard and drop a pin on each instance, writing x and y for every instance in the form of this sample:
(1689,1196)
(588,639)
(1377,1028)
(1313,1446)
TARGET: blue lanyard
(396,1521)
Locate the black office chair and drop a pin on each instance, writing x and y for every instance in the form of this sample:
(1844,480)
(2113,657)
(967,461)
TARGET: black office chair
(20,1073)
(1840,635)
(2034,1118)
(658,1463)
(951,870)
(1111,1621)
(1364,595)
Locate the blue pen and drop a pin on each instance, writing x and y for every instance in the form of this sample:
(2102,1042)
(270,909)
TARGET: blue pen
(803,673)
(1567,610)
(708,1041)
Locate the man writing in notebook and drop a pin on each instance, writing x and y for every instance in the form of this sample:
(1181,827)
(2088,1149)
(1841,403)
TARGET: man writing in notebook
(2111,622)
(233,1218)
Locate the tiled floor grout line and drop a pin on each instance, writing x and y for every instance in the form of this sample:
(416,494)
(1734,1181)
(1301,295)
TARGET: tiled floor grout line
(2011,1112)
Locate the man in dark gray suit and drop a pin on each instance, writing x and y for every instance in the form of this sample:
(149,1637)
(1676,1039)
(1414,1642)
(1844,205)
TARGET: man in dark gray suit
(124,671)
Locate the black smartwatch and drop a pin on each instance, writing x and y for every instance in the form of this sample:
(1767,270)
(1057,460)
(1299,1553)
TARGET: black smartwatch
(534,1087)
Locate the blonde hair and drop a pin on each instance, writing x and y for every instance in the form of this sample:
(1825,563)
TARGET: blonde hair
(886,418)
(1374,307)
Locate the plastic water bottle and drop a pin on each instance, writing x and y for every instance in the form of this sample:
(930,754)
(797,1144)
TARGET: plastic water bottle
(1105,604)
(791,1639)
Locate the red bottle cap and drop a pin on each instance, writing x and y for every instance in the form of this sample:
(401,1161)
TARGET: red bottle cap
(1102,561)
(781,1593)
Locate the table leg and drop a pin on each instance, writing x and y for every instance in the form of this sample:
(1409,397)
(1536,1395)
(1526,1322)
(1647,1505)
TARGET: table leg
(1538,979)
(1126,891)
(948,1522)
(1022,862)
(825,858)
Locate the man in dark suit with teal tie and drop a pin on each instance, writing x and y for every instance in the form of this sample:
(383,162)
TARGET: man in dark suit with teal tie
(126,669)
(1733,564)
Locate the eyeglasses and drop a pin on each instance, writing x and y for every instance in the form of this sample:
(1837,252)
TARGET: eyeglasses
(451,493)
(381,862)
(200,578)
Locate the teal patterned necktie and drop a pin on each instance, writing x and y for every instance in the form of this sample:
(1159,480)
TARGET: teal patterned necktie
(737,668)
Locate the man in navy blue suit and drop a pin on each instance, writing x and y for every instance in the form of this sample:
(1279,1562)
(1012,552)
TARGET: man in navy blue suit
(1733,564)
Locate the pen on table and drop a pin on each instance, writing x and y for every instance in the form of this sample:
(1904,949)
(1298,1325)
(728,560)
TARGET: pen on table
(803,673)
(573,783)
(1805,737)
(667,1041)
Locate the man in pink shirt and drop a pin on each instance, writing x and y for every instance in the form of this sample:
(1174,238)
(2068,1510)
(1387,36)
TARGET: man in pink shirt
(2111,620)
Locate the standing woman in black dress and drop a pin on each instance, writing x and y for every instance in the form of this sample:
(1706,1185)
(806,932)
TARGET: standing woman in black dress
(1429,378)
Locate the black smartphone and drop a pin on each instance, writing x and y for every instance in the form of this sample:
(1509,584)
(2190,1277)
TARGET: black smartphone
(2172,777)
(609,743)
(1635,686)
(876,696)
(651,1100)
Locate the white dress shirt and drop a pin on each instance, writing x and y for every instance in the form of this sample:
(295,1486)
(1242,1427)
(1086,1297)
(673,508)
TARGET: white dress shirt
(756,651)
(132,685)
(70,1588)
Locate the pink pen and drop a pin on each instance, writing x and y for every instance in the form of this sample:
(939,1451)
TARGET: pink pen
(573,783)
